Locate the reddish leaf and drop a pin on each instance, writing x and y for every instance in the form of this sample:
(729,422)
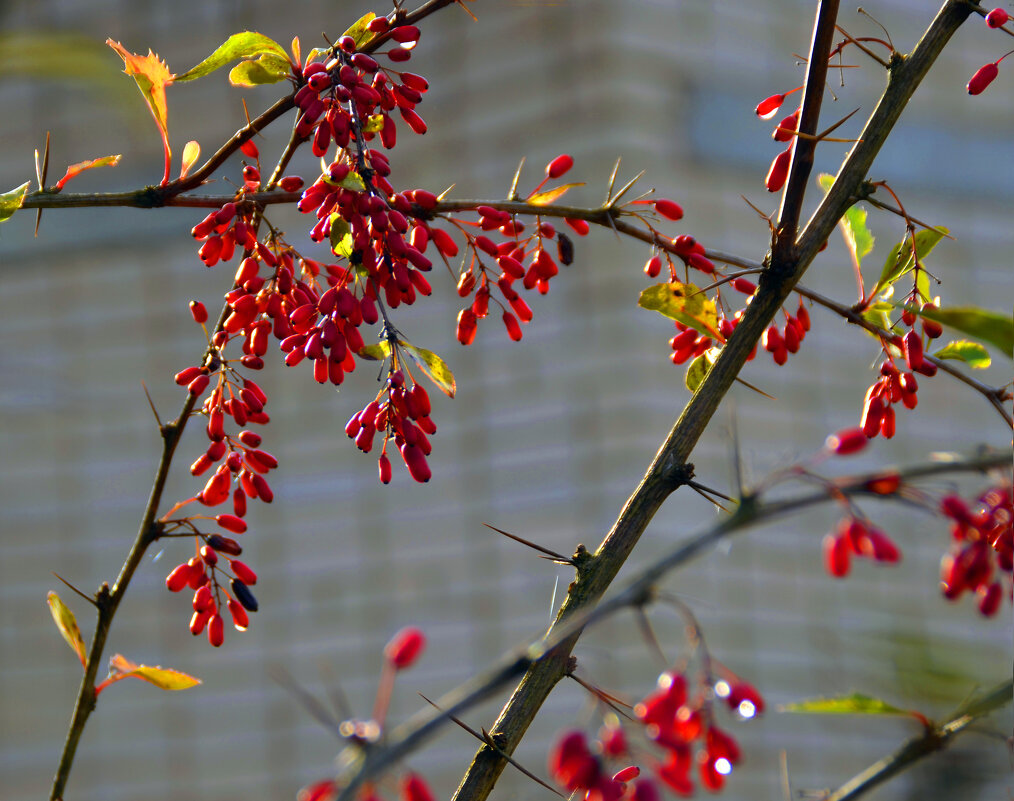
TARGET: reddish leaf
(76,169)
(152,77)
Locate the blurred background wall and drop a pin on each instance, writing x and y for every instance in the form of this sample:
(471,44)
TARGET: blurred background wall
(546,438)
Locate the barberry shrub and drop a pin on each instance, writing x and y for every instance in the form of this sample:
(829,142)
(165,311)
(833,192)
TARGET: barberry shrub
(328,294)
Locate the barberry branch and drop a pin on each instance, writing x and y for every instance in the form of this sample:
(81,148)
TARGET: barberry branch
(934,738)
(750,512)
(776,284)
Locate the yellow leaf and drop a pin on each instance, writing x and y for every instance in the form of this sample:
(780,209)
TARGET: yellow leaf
(359,32)
(551,195)
(683,302)
(191,152)
(67,624)
(433,366)
(164,678)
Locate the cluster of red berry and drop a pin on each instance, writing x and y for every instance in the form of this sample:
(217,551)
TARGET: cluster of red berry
(981,557)
(895,386)
(766,109)
(987,73)
(855,537)
(672,720)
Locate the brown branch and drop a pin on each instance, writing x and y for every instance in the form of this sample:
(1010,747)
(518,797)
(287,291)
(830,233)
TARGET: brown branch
(933,739)
(639,590)
(670,463)
(803,148)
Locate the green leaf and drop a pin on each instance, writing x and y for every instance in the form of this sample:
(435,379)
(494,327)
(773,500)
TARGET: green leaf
(683,302)
(247,44)
(353,181)
(377,352)
(341,236)
(165,679)
(853,225)
(972,353)
(551,195)
(11,201)
(433,366)
(359,31)
(268,68)
(854,704)
(900,261)
(67,624)
(991,327)
(698,371)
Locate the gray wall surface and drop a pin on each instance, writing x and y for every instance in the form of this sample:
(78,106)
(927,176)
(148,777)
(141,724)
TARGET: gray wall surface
(545,438)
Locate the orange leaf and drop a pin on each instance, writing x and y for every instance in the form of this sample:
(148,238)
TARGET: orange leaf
(76,169)
(164,678)
(551,195)
(152,77)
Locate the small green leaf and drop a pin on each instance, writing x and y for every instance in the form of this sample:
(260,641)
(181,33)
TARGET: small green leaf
(854,704)
(972,353)
(247,44)
(67,624)
(165,679)
(550,196)
(359,31)
(433,366)
(352,181)
(991,327)
(341,236)
(683,302)
(11,201)
(853,225)
(698,371)
(900,261)
(268,68)
(377,352)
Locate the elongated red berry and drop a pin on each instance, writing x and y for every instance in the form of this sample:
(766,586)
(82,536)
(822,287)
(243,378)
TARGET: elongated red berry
(384,468)
(779,171)
(198,312)
(983,77)
(243,573)
(513,326)
(768,106)
(787,127)
(559,166)
(405,647)
(847,441)
(912,347)
(669,209)
(216,630)
(466,326)
(179,577)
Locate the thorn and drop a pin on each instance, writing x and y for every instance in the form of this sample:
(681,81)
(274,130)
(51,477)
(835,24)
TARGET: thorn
(826,131)
(151,403)
(41,175)
(706,493)
(486,738)
(748,385)
(737,460)
(552,554)
(612,181)
(335,694)
(310,704)
(761,214)
(611,701)
(443,194)
(625,189)
(512,195)
(88,598)
(649,635)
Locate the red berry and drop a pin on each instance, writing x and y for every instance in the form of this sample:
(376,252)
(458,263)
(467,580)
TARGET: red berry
(559,166)
(466,326)
(768,106)
(669,209)
(405,647)
(216,630)
(653,267)
(837,555)
(912,347)
(249,149)
(779,171)
(785,129)
(997,18)
(512,325)
(983,77)
(846,442)
(243,573)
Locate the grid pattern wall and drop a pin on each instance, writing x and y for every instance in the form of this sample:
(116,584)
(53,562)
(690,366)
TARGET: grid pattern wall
(545,439)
